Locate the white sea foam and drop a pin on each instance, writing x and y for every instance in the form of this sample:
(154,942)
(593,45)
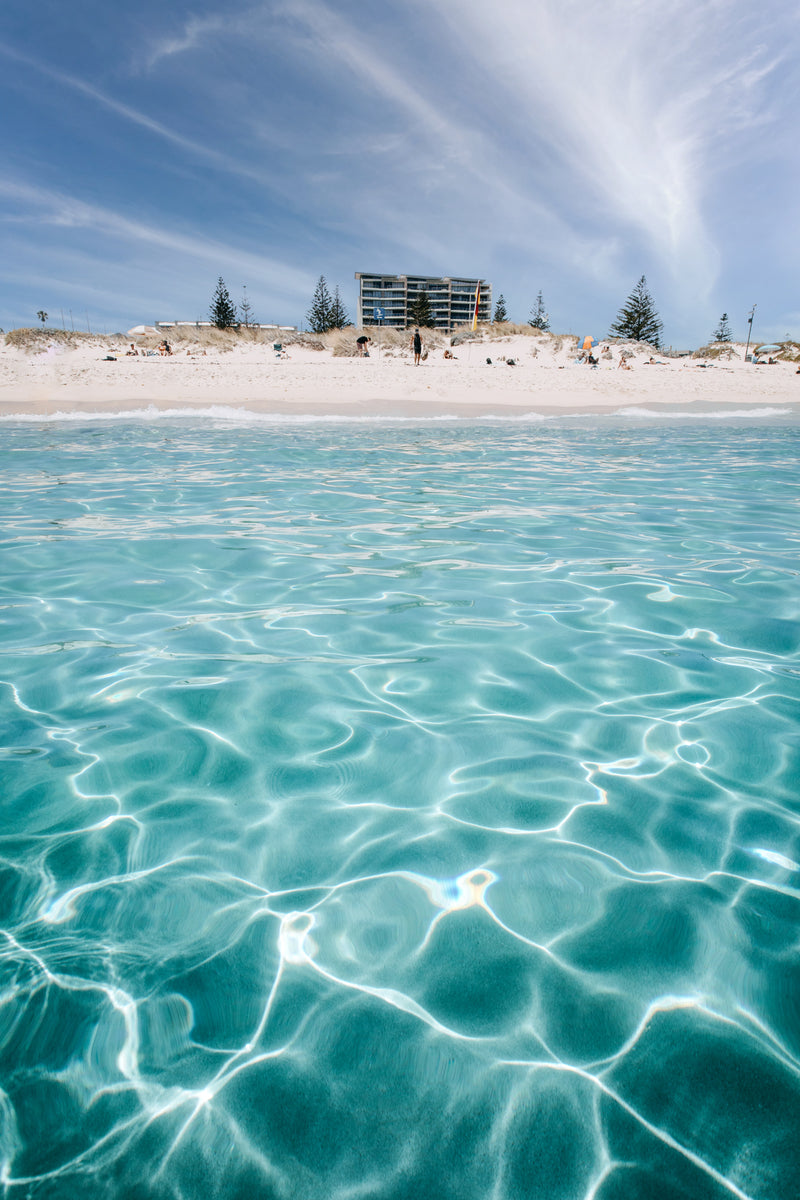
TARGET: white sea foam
(219,412)
(237,415)
(720,414)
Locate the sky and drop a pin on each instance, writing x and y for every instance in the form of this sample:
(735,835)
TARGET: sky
(543,145)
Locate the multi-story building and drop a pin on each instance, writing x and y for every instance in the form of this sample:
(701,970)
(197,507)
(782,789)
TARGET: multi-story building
(452,300)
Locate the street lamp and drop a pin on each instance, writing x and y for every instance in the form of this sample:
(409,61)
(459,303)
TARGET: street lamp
(749,330)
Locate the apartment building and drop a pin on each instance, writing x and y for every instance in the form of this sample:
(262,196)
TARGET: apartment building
(452,300)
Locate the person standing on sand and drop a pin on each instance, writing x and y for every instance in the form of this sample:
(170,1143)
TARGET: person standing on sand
(416,346)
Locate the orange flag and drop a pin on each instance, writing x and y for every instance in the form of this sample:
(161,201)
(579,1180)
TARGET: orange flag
(477,302)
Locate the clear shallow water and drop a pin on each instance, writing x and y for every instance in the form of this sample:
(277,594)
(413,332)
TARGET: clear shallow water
(400,812)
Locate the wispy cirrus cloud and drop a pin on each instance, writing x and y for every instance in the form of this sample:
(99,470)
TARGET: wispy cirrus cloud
(46,206)
(611,126)
(195,149)
(196,30)
(630,102)
(450,155)
(548,144)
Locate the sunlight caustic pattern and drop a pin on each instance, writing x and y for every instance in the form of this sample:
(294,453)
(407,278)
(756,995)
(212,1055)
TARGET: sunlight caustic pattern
(399,811)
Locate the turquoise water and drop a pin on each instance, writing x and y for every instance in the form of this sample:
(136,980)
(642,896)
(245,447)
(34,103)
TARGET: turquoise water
(400,811)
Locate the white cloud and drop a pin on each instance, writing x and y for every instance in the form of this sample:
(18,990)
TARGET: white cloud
(198,150)
(57,209)
(195,32)
(453,162)
(544,144)
(628,99)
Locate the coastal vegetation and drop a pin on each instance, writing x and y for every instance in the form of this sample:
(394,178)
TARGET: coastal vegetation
(723,330)
(420,312)
(35,339)
(637,321)
(638,318)
(717,352)
(223,310)
(327,311)
(246,311)
(539,318)
(340,318)
(319,315)
(341,343)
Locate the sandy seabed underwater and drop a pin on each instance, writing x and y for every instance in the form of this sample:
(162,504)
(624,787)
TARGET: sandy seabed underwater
(398,811)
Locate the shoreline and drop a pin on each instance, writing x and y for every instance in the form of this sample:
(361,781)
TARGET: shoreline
(524,380)
(376,413)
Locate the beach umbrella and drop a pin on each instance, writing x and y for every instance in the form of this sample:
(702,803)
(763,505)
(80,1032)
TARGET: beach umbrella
(141,329)
(588,342)
(767,349)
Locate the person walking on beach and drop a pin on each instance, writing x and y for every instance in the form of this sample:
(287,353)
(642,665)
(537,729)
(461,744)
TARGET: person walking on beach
(416,346)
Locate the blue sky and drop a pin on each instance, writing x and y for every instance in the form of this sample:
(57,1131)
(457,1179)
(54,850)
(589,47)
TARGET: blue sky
(541,144)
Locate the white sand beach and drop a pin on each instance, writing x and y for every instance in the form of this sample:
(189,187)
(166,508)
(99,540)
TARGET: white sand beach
(48,377)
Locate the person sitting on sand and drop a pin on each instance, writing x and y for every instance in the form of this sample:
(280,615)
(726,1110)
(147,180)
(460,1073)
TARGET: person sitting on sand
(416,346)
(449,354)
(132,353)
(624,365)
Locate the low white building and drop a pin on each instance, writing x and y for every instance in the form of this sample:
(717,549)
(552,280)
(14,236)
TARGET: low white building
(210,325)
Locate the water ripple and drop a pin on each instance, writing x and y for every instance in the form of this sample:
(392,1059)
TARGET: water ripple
(399,811)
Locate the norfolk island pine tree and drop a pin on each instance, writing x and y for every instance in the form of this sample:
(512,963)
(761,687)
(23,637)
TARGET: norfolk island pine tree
(420,312)
(339,317)
(539,318)
(246,310)
(222,310)
(723,331)
(638,318)
(320,313)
